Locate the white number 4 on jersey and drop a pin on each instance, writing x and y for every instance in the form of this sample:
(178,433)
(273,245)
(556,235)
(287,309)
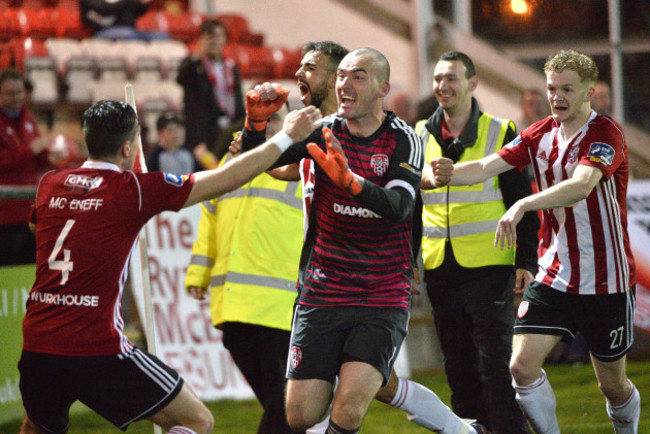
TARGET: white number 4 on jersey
(66,265)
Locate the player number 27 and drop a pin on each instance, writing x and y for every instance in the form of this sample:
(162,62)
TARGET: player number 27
(617,337)
(65,265)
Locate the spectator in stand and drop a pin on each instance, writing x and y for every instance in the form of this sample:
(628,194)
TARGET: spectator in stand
(533,108)
(23,154)
(602,100)
(169,155)
(115,19)
(212,91)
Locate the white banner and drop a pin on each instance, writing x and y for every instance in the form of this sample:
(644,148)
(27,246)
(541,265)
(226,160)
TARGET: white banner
(638,218)
(185,337)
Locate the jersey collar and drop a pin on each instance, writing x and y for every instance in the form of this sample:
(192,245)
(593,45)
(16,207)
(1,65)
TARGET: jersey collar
(100,165)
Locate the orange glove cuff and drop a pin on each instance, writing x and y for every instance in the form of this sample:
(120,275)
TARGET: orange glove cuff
(252,125)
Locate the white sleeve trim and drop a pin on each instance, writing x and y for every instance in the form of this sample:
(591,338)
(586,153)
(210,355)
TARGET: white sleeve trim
(403,184)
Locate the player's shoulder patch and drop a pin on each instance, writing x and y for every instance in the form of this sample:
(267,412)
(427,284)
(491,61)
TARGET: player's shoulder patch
(173,179)
(514,143)
(601,153)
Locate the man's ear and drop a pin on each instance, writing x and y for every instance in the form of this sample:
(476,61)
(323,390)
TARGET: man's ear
(473,83)
(384,88)
(125,149)
(331,81)
(590,93)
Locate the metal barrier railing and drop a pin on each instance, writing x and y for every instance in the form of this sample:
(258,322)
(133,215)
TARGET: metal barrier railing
(17,192)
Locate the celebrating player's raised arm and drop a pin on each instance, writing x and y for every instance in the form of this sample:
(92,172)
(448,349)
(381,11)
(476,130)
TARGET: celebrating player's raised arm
(212,183)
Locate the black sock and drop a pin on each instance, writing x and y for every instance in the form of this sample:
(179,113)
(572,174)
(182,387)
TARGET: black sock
(335,429)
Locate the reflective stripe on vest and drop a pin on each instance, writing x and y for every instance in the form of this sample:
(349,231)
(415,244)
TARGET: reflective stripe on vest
(467,215)
(488,194)
(287,197)
(461,230)
(252,279)
(202,260)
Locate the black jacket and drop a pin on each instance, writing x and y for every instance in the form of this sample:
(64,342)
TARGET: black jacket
(201,109)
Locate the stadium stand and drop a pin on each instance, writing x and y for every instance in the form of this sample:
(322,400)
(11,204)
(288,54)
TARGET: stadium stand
(46,40)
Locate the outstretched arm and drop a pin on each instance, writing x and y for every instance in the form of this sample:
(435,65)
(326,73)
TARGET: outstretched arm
(472,172)
(566,193)
(213,183)
(442,171)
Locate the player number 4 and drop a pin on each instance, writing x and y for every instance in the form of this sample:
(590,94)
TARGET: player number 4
(65,265)
(617,337)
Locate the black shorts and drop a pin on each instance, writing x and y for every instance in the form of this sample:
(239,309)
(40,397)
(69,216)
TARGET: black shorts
(323,338)
(122,388)
(606,321)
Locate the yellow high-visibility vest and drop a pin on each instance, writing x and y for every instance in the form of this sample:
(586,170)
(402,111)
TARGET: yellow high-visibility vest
(466,215)
(248,252)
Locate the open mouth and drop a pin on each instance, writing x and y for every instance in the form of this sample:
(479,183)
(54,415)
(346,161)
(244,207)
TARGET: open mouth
(303,87)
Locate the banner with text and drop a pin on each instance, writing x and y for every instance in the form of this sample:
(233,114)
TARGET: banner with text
(638,218)
(185,337)
(15,283)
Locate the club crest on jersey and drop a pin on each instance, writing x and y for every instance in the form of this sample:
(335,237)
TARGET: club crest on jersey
(296,357)
(601,153)
(81,181)
(379,163)
(523,308)
(173,179)
(573,155)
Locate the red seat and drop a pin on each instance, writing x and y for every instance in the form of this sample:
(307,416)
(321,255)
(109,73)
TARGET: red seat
(6,56)
(184,26)
(69,25)
(254,62)
(286,61)
(152,21)
(72,5)
(9,25)
(238,31)
(235,25)
(32,4)
(37,23)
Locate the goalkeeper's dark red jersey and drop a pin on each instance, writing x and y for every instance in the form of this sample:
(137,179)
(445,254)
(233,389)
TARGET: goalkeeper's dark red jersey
(354,255)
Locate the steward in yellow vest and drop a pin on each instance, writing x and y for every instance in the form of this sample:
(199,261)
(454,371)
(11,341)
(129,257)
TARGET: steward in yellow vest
(469,281)
(248,252)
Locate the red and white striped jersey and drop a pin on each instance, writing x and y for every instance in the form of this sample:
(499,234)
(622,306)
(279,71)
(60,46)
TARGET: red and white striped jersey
(308,180)
(87,223)
(584,248)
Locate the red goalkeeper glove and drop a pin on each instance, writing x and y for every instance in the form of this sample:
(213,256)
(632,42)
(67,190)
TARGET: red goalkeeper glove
(335,164)
(262,102)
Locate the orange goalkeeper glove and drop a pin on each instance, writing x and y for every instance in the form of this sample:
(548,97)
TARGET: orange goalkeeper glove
(262,102)
(335,164)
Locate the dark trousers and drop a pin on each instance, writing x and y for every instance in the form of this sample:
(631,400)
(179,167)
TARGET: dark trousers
(261,353)
(474,316)
(17,245)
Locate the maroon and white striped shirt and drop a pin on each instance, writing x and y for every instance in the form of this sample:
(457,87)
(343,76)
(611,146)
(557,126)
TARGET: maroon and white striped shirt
(585,247)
